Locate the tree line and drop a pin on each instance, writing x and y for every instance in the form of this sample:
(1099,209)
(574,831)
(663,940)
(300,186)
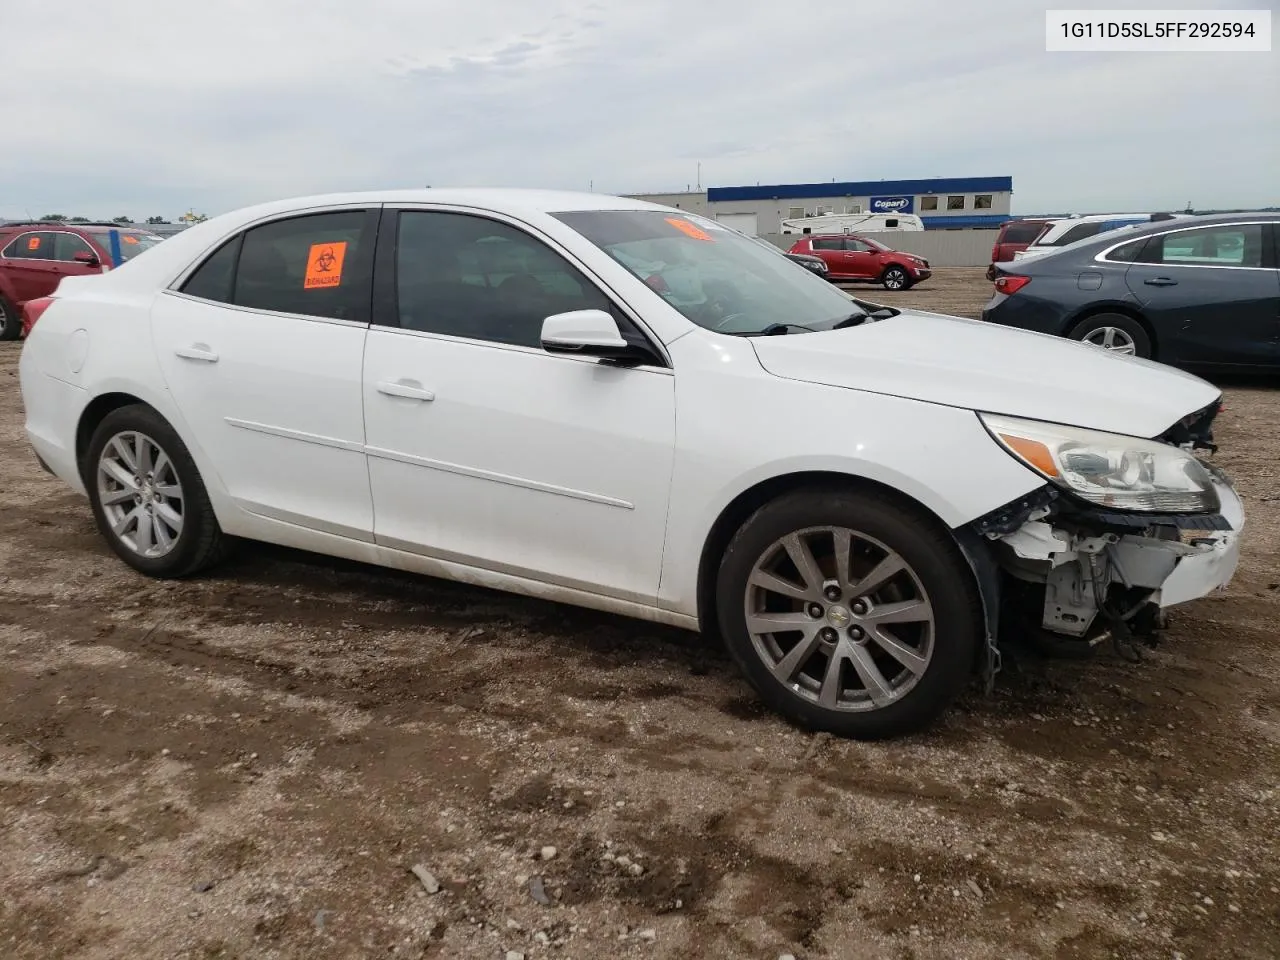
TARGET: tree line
(123,221)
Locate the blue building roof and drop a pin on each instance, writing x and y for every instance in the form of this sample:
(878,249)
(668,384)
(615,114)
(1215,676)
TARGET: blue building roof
(862,188)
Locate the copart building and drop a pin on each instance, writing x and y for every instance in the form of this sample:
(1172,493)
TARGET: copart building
(942,203)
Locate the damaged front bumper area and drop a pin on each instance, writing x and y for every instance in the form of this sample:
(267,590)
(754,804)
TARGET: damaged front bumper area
(1084,573)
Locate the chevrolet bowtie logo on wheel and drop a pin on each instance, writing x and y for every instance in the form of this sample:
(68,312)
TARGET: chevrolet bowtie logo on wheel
(324,265)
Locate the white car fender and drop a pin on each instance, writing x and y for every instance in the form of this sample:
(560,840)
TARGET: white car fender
(923,451)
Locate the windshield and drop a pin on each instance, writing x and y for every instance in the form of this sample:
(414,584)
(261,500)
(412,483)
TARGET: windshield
(716,277)
(132,242)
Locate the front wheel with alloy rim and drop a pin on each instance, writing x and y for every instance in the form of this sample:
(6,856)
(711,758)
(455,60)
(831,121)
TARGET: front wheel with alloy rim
(895,278)
(1115,333)
(10,321)
(849,612)
(148,499)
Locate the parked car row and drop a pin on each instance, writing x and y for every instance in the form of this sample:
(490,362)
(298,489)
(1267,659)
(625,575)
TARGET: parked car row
(1192,291)
(625,406)
(35,256)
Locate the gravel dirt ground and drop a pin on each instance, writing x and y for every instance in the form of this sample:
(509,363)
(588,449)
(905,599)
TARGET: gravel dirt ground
(249,765)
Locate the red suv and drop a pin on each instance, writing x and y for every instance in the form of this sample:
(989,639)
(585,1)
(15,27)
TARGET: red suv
(1014,235)
(34,257)
(850,257)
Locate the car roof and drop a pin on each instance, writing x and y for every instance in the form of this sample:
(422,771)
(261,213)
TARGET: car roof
(179,250)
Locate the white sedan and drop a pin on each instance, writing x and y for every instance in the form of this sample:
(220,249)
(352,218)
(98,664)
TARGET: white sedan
(624,406)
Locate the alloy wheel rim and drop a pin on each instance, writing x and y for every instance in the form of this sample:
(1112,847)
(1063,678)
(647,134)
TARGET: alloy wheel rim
(140,494)
(894,278)
(840,619)
(1112,339)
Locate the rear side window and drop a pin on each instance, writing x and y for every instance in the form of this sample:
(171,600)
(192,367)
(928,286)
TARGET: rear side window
(1130,252)
(1078,232)
(1020,232)
(828,243)
(29,246)
(317,265)
(216,276)
(1230,245)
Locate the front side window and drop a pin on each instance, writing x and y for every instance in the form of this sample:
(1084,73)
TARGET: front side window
(1230,245)
(30,246)
(955,203)
(467,276)
(716,278)
(928,203)
(67,245)
(858,246)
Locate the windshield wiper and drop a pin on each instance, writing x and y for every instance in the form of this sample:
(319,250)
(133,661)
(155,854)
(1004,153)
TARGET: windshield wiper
(778,329)
(852,320)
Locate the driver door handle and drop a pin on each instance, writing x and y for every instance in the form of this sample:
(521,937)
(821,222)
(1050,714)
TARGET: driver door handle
(409,389)
(1160,282)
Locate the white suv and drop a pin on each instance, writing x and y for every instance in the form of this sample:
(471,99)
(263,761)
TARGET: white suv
(1060,233)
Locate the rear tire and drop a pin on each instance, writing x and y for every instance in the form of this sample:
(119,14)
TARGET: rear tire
(903,644)
(1115,332)
(10,321)
(147,496)
(896,278)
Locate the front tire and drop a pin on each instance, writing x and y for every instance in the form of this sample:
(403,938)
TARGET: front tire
(849,612)
(147,496)
(1116,333)
(895,278)
(10,321)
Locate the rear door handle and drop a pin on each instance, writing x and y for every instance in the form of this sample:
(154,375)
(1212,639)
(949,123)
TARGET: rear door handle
(1160,282)
(409,389)
(197,351)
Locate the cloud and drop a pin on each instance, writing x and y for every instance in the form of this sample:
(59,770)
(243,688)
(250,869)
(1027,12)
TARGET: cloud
(150,107)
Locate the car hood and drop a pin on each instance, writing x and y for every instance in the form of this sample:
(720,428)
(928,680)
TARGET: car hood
(994,369)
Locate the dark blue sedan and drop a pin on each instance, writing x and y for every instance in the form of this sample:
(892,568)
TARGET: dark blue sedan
(1197,291)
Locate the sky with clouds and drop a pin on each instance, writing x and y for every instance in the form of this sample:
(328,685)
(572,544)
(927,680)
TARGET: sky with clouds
(150,107)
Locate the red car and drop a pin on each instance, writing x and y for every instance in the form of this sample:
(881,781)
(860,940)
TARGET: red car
(34,257)
(849,257)
(1014,235)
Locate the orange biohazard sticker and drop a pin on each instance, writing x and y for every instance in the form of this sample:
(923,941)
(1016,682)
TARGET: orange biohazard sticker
(324,265)
(128,239)
(687,228)
(33,243)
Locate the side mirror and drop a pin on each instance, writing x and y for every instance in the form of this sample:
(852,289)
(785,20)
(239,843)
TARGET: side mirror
(588,333)
(87,258)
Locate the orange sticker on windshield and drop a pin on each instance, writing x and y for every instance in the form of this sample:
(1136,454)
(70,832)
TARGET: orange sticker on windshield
(687,228)
(128,239)
(33,243)
(324,265)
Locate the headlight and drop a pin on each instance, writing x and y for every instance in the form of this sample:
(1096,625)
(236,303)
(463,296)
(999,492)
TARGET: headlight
(1111,470)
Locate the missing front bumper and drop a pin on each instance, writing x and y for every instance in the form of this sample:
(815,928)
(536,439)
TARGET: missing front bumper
(1098,568)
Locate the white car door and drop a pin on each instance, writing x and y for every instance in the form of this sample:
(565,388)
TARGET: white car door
(261,347)
(487,451)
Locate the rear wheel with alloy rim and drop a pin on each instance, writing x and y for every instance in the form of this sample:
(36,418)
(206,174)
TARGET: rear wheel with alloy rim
(849,612)
(895,278)
(1115,333)
(147,495)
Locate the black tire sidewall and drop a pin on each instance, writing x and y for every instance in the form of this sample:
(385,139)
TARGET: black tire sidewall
(906,278)
(12,328)
(1141,339)
(143,419)
(936,560)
